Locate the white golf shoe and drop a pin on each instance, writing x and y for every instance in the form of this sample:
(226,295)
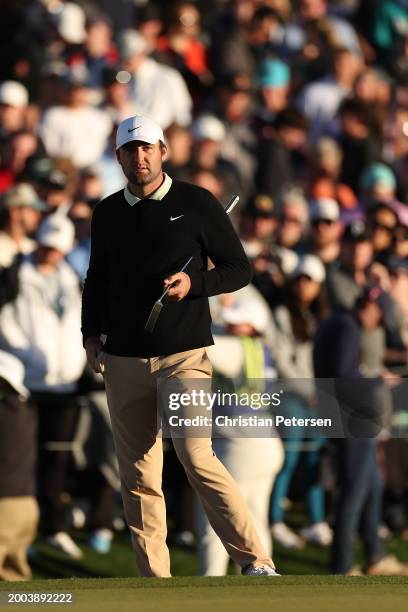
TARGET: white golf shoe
(63,542)
(318,534)
(282,534)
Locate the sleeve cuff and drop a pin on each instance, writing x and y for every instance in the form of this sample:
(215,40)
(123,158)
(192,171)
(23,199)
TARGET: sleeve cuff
(197,284)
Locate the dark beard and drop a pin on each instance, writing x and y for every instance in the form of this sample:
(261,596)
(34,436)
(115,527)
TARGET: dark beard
(144,179)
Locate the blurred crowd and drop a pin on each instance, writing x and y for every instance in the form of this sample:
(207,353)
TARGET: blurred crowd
(301,108)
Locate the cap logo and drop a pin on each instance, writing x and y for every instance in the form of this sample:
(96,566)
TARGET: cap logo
(133,129)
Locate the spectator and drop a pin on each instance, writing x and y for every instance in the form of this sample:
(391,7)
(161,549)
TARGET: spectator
(388,27)
(259,225)
(80,214)
(326,229)
(320,101)
(18,506)
(241,38)
(294,326)
(49,297)
(22,214)
(325,176)
(13,107)
(241,358)
(401,240)
(149,23)
(209,134)
(75,130)
(360,144)
(20,146)
(358,472)
(274,82)
(157,90)
(96,53)
(57,186)
(117,102)
(179,142)
(314,11)
(181,47)
(346,282)
(234,100)
(384,221)
(294,221)
(282,160)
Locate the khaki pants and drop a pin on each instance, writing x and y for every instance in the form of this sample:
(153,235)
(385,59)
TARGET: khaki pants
(18,529)
(131,386)
(254,464)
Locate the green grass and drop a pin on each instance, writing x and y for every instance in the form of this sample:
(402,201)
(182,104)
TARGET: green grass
(120,562)
(106,583)
(230,594)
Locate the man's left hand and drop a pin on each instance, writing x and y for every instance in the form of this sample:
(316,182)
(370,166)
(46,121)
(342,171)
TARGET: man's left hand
(182,284)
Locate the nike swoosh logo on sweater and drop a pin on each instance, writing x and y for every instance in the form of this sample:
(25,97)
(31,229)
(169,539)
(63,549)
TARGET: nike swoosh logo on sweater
(175,218)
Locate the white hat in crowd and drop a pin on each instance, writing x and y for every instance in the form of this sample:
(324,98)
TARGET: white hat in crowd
(138,128)
(288,260)
(24,195)
(131,43)
(252,312)
(326,209)
(14,94)
(12,371)
(208,127)
(311,266)
(71,23)
(57,232)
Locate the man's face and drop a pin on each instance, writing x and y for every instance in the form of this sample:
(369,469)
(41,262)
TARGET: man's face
(141,162)
(325,232)
(291,227)
(206,153)
(11,117)
(306,289)
(293,138)
(357,255)
(313,9)
(275,98)
(49,256)
(27,217)
(370,315)
(30,219)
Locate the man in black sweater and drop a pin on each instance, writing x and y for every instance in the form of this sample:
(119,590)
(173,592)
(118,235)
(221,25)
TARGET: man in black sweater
(141,237)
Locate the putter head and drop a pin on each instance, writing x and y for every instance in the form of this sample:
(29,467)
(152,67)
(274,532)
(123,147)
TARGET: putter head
(153,316)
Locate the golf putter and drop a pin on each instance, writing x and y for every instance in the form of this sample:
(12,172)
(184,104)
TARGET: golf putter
(158,305)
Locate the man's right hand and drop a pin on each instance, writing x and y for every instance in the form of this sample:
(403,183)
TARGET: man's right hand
(93,348)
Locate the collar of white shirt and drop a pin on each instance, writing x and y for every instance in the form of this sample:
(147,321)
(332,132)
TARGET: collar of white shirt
(159,194)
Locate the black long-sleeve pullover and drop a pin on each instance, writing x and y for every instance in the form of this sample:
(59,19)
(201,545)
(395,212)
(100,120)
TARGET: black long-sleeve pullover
(134,248)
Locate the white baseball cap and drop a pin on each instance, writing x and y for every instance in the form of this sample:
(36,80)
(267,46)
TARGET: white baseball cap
(71,23)
(13,93)
(131,43)
(57,232)
(12,371)
(208,127)
(250,311)
(24,194)
(138,128)
(325,208)
(311,266)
